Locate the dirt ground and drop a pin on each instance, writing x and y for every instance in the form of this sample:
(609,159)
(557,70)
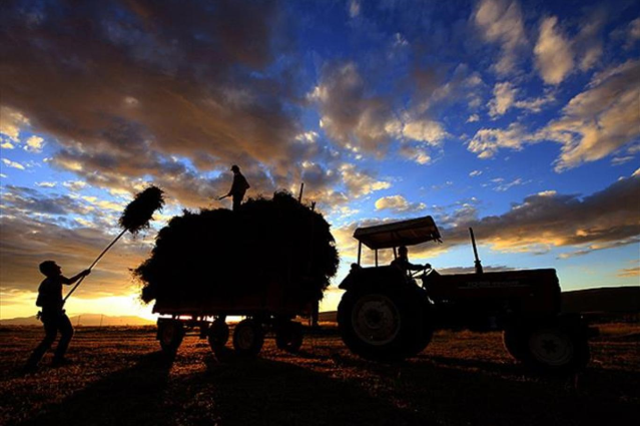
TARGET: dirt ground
(120,378)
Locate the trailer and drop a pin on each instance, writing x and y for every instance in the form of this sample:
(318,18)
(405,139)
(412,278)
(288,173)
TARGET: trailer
(273,310)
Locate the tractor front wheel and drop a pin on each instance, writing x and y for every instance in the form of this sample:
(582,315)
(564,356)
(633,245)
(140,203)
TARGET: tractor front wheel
(514,341)
(556,348)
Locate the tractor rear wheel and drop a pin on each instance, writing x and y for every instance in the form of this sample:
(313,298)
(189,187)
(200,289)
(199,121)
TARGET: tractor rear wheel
(289,336)
(248,338)
(170,334)
(384,324)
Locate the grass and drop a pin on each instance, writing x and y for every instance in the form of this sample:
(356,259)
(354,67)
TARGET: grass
(462,378)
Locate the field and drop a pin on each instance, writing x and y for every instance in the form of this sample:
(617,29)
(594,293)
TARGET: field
(119,377)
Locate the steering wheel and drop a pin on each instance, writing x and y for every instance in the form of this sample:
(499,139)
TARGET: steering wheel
(424,271)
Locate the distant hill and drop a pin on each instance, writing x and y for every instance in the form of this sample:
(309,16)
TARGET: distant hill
(616,300)
(87,320)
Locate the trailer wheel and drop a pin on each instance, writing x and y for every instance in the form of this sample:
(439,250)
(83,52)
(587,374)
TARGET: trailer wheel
(289,336)
(170,334)
(248,338)
(384,325)
(218,334)
(556,349)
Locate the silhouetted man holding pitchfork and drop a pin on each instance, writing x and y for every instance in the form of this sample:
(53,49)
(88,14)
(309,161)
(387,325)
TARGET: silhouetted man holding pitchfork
(238,188)
(52,315)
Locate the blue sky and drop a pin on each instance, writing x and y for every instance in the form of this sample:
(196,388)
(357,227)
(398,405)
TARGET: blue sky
(521,119)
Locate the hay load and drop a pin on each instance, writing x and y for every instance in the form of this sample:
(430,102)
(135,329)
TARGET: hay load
(218,255)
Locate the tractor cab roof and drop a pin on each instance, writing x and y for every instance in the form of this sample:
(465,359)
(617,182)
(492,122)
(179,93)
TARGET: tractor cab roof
(404,233)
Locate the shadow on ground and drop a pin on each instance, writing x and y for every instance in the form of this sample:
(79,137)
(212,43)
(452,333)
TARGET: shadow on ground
(346,390)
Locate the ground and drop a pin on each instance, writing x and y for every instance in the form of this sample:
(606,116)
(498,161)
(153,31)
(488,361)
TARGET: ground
(120,378)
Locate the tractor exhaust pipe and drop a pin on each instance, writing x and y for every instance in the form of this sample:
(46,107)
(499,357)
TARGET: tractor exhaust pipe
(475,253)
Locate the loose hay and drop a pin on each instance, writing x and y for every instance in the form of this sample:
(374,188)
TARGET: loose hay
(138,213)
(218,254)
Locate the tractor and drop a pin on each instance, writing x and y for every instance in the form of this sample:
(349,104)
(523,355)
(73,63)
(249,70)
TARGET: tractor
(389,315)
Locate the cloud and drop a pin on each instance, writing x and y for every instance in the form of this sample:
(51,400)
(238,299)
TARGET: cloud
(486,142)
(428,131)
(416,154)
(633,33)
(27,241)
(10,123)
(142,86)
(503,187)
(74,185)
(504,96)
(349,114)
(359,183)
(600,120)
(593,124)
(632,272)
(588,42)
(473,118)
(34,144)
(398,204)
(603,220)
(46,184)
(354,8)
(501,22)
(554,57)
(13,164)
(475,173)
(535,104)
(6,145)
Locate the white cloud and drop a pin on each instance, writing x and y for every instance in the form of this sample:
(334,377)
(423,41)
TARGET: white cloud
(475,173)
(554,58)
(308,137)
(46,184)
(633,34)
(500,21)
(6,145)
(12,164)
(416,154)
(618,161)
(593,125)
(503,187)
(535,104)
(11,121)
(74,185)
(473,118)
(398,204)
(600,120)
(354,8)
(504,97)
(428,131)
(359,183)
(34,144)
(486,142)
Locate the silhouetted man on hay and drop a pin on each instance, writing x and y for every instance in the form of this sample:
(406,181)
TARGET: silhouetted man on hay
(52,315)
(238,188)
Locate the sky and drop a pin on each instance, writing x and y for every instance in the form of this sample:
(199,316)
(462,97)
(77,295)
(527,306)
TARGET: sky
(520,119)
